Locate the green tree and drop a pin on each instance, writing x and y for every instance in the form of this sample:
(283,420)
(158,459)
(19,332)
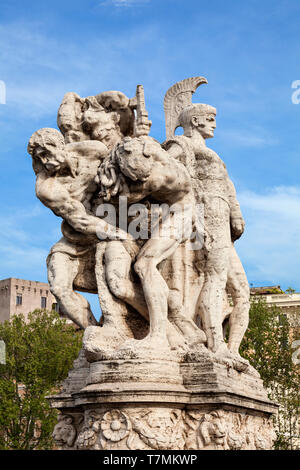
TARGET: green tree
(290,290)
(268,345)
(39,354)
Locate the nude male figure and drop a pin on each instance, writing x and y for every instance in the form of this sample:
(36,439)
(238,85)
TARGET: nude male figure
(222,217)
(238,288)
(65,183)
(150,172)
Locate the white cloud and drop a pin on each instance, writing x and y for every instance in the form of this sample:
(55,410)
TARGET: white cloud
(20,259)
(270,247)
(254,137)
(39,69)
(282,200)
(25,242)
(11,224)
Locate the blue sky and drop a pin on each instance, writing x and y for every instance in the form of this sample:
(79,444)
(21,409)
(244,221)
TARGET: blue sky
(249,52)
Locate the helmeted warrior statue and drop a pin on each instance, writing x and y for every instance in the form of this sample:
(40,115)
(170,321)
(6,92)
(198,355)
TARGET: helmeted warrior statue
(222,219)
(150,228)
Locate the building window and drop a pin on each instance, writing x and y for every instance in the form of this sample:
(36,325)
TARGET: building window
(43,302)
(19,299)
(55,307)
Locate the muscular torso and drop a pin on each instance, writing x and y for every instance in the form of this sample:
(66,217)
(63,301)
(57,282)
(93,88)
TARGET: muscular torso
(169,182)
(207,171)
(211,190)
(68,193)
(57,189)
(76,182)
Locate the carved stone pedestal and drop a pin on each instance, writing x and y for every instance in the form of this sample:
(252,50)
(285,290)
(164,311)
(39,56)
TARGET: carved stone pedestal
(136,405)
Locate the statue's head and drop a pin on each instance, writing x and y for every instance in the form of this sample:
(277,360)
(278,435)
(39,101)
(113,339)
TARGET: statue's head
(219,421)
(107,119)
(64,432)
(198,118)
(69,118)
(132,159)
(47,146)
(102,126)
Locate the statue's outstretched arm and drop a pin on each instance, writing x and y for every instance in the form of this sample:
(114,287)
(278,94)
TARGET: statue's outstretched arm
(53,195)
(90,149)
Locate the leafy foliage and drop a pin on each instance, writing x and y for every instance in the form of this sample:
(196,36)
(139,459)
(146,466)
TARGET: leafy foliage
(41,350)
(268,347)
(39,354)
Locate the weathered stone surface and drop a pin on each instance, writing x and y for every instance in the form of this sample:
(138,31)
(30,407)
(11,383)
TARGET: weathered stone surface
(150,228)
(141,404)
(172,425)
(227,430)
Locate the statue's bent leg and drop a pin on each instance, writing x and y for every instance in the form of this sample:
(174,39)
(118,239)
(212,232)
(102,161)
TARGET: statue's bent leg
(216,253)
(185,325)
(118,265)
(62,270)
(211,297)
(155,288)
(211,305)
(238,287)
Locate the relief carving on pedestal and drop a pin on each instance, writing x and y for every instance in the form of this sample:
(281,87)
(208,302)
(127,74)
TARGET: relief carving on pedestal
(64,433)
(160,430)
(133,430)
(225,430)
(164,429)
(115,426)
(88,438)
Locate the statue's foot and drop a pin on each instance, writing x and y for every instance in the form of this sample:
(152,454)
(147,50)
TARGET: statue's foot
(195,346)
(196,338)
(178,343)
(240,361)
(182,337)
(234,360)
(100,343)
(189,330)
(149,342)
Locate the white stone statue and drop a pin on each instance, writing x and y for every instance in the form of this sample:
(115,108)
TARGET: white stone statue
(105,147)
(65,183)
(150,228)
(223,221)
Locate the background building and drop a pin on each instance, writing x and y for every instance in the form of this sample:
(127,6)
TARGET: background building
(23,296)
(20,296)
(287,302)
